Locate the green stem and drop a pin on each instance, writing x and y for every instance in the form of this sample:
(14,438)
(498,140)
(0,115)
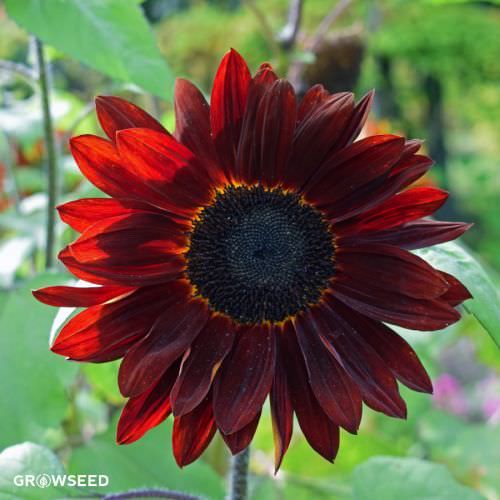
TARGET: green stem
(51,154)
(239,475)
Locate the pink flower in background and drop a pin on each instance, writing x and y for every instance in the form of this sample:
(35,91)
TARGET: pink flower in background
(449,395)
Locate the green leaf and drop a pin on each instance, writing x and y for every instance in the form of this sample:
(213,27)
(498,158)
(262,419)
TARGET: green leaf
(111,36)
(103,377)
(459,262)
(29,459)
(146,463)
(33,379)
(385,478)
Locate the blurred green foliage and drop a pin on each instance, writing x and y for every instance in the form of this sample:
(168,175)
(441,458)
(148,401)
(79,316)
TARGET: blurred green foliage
(449,446)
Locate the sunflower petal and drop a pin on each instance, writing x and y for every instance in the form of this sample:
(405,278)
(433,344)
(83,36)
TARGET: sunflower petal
(317,135)
(106,332)
(239,393)
(397,354)
(80,214)
(167,167)
(169,337)
(227,106)
(193,432)
(241,439)
(247,157)
(199,368)
(375,269)
(115,113)
(412,235)
(147,410)
(281,408)
(405,207)
(73,296)
(376,382)
(336,392)
(320,432)
(192,126)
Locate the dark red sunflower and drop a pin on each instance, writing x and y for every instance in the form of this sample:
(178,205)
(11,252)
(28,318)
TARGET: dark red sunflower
(256,252)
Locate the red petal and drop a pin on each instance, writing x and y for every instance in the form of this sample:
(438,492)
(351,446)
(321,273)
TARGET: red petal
(166,167)
(397,354)
(106,332)
(146,411)
(69,296)
(227,106)
(169,337)
(116,114)
(244,381)
(136,250)
(376,382)
(240,440)
(378,190)
(202,363)
(411,147)
(404,207)
(80,214)
(192,126)
(281,408)
(321,433)
(312,99)
(416,314)
(345,173)
(337,394)
(102,273)
(412,235)
(273,133)
(317,135)
(247,159)
(193,432)
(457,293)
(357,120)
(100,163)
(377,269)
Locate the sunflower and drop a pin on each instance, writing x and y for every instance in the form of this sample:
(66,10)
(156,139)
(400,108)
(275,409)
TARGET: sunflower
(259,251)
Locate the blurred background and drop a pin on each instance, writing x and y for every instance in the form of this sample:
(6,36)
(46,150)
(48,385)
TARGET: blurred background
(435,65)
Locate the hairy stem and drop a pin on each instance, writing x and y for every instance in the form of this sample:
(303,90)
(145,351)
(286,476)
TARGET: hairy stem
(239,475)
(149,493)
(51,154)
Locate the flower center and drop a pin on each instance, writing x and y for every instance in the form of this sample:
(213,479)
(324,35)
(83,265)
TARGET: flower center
(260,255)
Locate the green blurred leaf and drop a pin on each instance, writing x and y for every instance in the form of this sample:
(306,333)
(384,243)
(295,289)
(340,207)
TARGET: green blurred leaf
(33,380)
(148,462)
(456,260)
(387,478)
(32,459)
(103,377)
(471,450)
(111,36)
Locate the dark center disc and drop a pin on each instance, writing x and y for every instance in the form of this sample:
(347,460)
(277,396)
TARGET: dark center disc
(260,255)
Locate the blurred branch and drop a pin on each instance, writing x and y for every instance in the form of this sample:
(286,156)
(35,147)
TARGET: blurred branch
(19,69)
(266,27)
(288,34)
(315,41)
(312,44)
(50,143)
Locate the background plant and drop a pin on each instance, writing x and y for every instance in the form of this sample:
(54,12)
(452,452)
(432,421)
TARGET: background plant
(436,67)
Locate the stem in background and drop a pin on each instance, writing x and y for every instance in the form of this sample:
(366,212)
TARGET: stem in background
(51,154)
(288,34)
(149,493)
(239,475)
